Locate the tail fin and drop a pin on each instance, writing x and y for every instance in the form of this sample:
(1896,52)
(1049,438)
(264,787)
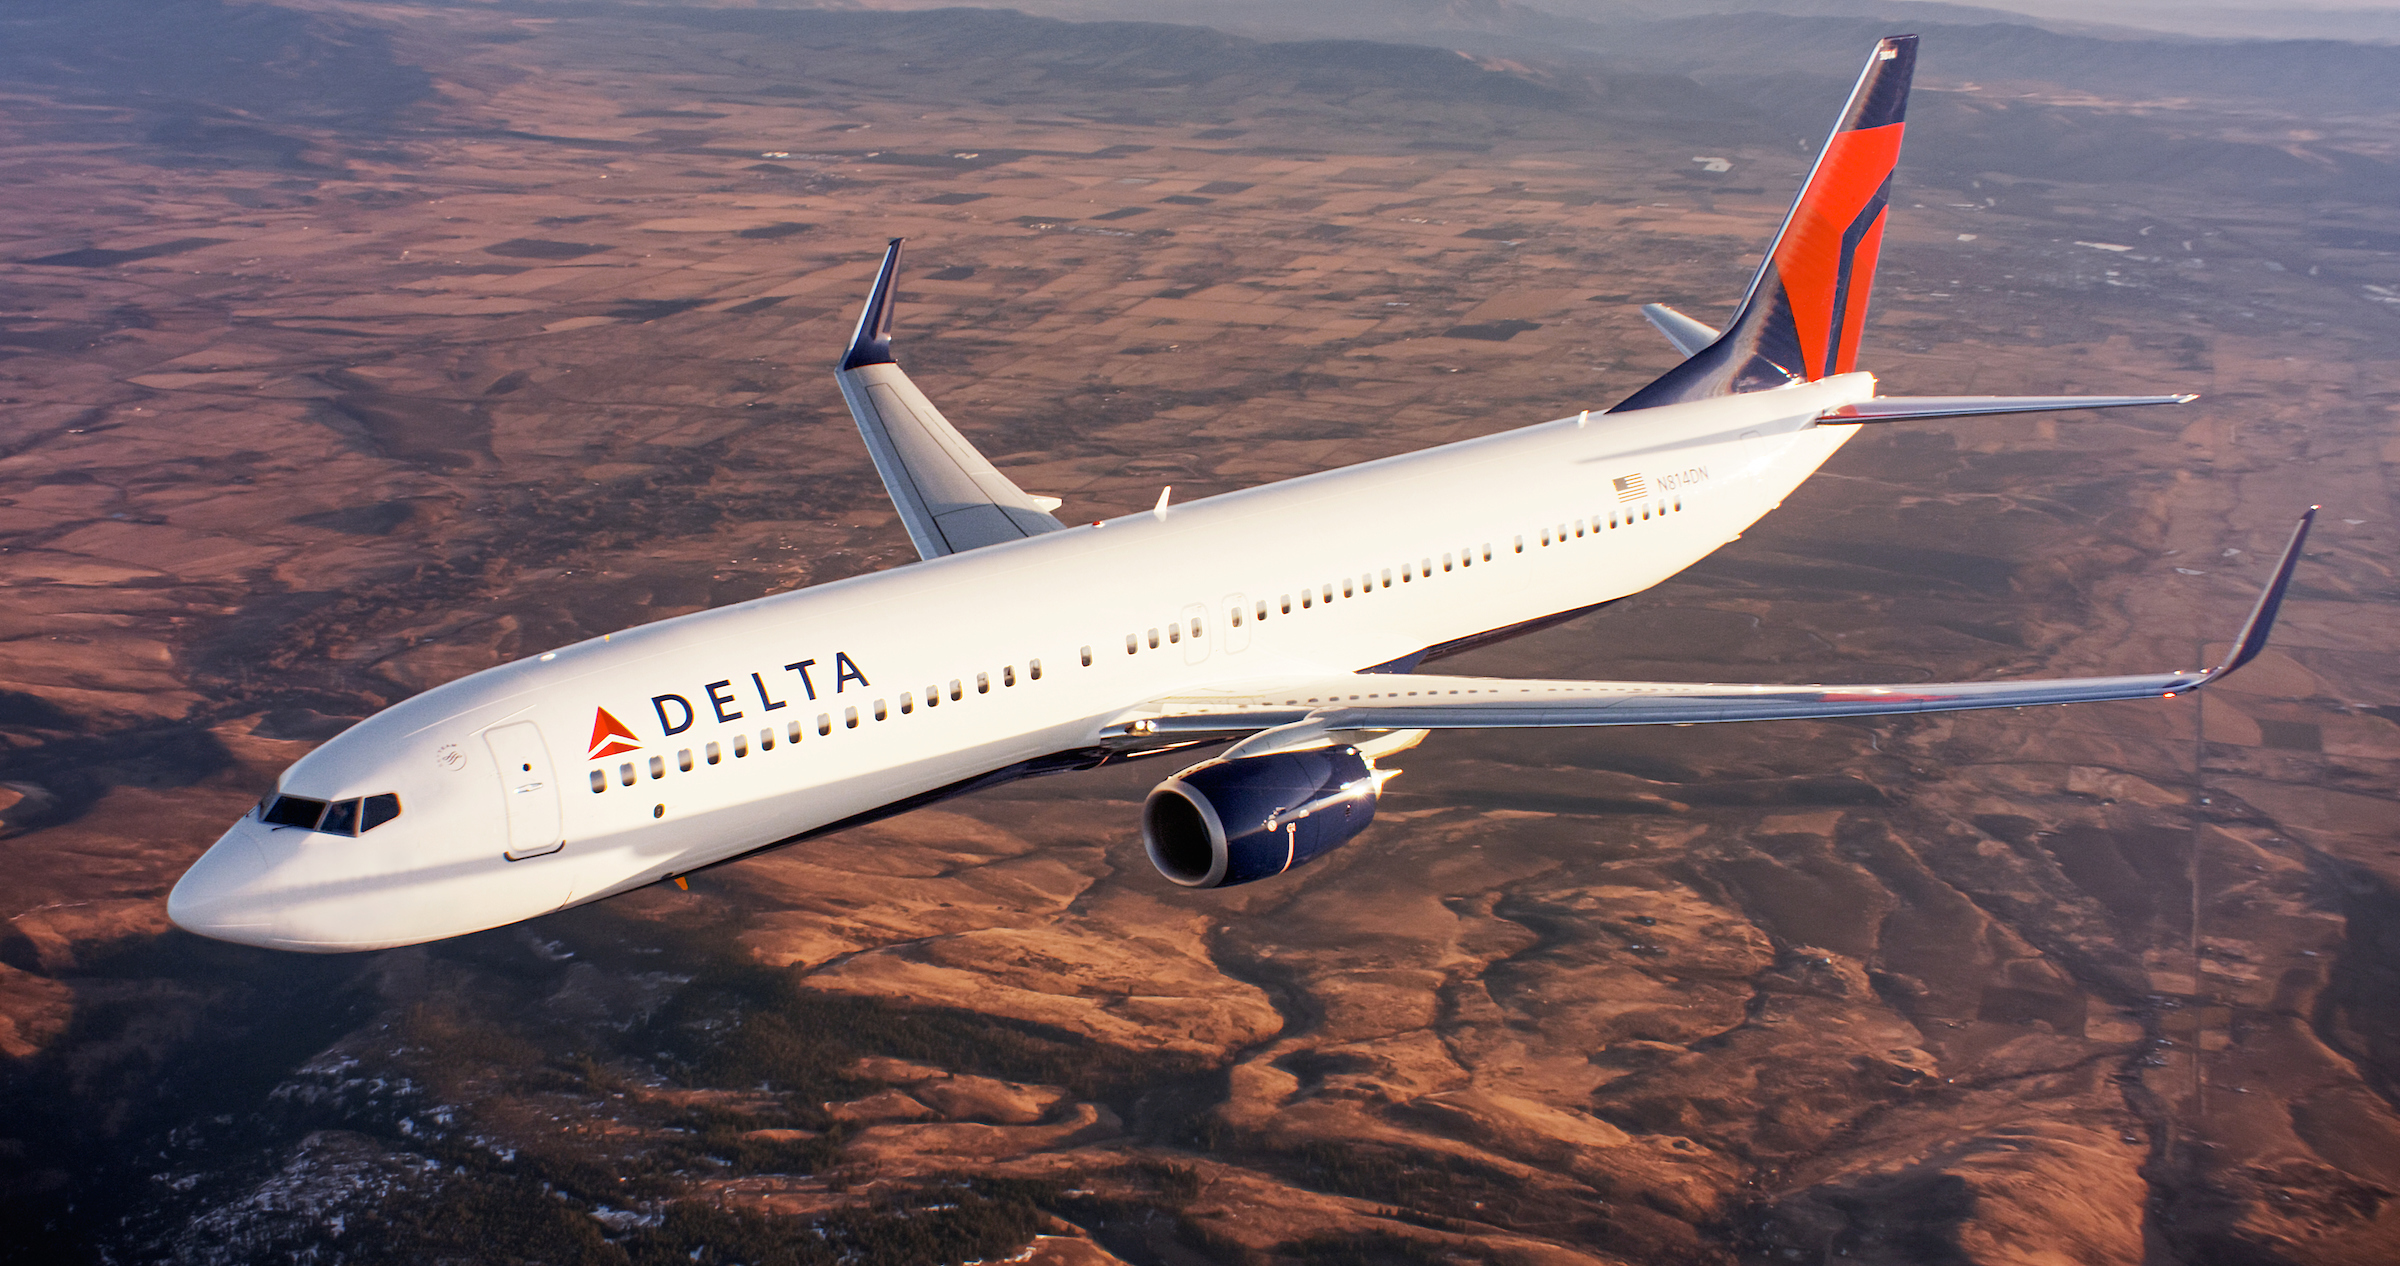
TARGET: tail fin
(1801,320)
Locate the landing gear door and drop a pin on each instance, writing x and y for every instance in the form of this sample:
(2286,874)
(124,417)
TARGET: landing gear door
(528,789)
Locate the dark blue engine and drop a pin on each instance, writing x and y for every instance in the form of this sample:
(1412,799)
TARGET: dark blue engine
(1233,821)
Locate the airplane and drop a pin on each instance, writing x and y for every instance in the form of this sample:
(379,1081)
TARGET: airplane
(1288,620)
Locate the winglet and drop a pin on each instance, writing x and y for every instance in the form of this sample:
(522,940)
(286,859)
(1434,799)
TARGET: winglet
(2253,637)
(872,344)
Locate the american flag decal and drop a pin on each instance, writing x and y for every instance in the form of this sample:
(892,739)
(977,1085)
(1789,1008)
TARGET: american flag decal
(1629,487)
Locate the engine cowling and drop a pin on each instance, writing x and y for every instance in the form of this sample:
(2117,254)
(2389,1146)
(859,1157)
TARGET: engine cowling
(1234,821)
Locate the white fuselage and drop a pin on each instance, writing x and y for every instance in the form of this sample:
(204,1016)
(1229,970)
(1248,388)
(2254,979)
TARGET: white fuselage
(921,677)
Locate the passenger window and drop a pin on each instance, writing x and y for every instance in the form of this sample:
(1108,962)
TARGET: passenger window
(1286,605)
(933,696)
(791,733)
(1195,626)
(1445,562)
(1154,639)
(1466,558)
(377,810)
(625,773)
(983,681)
(956,692)
(1237,617)
(1087,656)
(1307,599)
(683,760)
(880,714)
(850,718)
(341,818)
(766,739)
(712,752)
(1262,608)
(741,745)
(1579,527)
(599,782)
(294,811)
(658,767)
(824,724)
(1174,632)
(1329,593)
(1387,577)
(1406,574)
(1520,544)
(1033,667)
(1133,643)
(907,704)
(1487,552)
(1545,537)
(1008,675)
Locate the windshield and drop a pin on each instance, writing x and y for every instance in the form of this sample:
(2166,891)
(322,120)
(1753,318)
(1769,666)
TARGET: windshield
(339,817)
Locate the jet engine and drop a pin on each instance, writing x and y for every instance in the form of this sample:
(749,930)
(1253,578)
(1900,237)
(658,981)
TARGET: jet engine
(1232,821)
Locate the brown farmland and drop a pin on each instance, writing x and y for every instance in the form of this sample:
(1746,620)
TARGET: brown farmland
(443,336)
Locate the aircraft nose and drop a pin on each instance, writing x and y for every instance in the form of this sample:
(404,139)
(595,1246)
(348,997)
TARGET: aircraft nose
(223,895)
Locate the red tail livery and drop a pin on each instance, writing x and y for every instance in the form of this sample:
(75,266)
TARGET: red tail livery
(1802,317)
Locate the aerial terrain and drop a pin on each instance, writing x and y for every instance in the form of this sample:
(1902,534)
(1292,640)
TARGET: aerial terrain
(347,348)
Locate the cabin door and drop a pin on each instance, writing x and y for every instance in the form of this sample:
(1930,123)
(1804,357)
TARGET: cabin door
(528,789)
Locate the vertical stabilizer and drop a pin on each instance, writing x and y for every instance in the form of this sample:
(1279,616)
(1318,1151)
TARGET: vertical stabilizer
(1802,318)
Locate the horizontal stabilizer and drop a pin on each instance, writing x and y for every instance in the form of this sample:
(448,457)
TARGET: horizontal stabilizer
(1282,715)
(949,496)
(1688,335)
(1916,408)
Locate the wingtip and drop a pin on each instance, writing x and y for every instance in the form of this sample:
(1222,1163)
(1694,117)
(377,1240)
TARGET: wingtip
(871,344)
(2253,637)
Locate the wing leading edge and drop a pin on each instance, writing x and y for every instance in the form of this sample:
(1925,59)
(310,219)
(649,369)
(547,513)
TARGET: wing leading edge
(1302,713)
(950,497)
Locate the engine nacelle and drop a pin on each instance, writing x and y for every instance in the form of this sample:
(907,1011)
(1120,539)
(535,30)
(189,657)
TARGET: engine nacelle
(1233,821)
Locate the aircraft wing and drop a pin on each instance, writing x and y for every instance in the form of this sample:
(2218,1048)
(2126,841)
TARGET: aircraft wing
(1304,712)
(949,496)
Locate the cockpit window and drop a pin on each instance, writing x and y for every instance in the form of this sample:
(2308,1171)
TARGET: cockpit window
(294,811)
(342,817)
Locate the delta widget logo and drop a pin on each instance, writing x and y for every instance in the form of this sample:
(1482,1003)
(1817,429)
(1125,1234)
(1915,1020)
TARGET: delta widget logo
(610,737)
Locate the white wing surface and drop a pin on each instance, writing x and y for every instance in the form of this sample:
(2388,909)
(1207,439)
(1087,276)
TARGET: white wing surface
(1301,712)
(949,496)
